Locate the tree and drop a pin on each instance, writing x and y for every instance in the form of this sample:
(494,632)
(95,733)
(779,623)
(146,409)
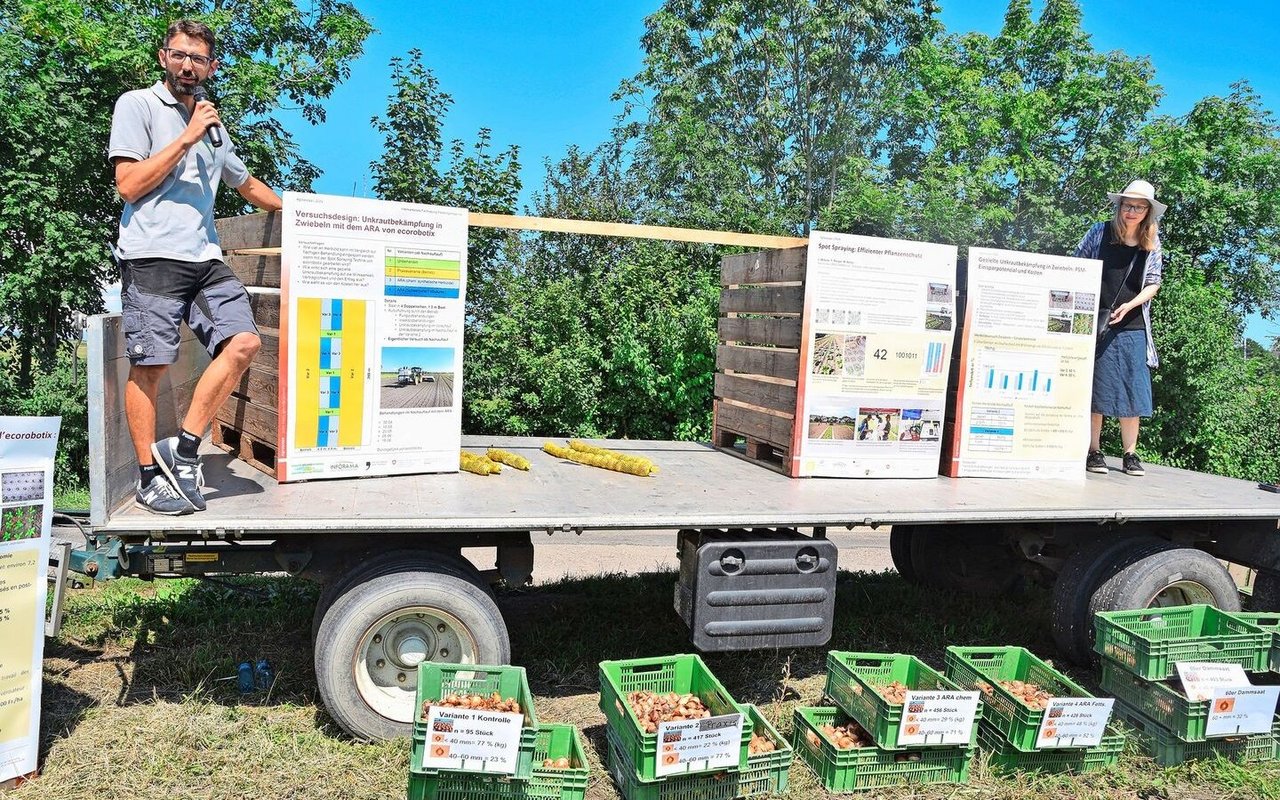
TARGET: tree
(1219,167)
(62,65)
(746,110)
(412,169)
(1008,141)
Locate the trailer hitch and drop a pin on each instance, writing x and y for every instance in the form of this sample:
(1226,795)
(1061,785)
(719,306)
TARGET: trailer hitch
(104,562)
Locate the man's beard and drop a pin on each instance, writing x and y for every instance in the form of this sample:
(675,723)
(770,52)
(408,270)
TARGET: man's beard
(176,87)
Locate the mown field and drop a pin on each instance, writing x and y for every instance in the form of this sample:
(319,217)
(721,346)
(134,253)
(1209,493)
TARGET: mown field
(134,704)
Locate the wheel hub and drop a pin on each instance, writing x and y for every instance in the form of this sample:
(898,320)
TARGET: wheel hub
(391,649)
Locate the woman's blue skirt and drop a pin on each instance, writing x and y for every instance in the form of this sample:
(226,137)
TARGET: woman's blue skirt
(1121,378)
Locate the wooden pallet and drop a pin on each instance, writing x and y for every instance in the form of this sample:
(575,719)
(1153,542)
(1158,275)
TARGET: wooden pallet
(246,425)
(758,358)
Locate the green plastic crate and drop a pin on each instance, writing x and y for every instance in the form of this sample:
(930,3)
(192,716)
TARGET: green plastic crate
(1166,706)
(852,679)
(765,774)
(1268,621)
(1010,758)
(1168,750)
(1150,641)
(982,668)
(872,767)
(437,680)
(552,741)
(682,674)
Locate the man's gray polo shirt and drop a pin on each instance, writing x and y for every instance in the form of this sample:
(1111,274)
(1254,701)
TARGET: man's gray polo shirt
(175,219)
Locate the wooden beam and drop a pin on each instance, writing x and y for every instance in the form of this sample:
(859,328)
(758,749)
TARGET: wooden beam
(589,228)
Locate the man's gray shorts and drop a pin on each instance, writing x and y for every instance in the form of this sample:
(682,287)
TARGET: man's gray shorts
(158,294)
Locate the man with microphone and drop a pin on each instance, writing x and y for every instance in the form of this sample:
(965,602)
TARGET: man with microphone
(170,153)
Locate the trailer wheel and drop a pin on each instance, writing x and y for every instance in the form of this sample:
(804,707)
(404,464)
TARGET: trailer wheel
(900,552)
(1071,617)
(965,558)
(375,634)
(394,561)
(1177,577)
(1266,592)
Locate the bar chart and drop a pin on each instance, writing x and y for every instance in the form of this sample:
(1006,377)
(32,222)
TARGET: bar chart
(1007,374)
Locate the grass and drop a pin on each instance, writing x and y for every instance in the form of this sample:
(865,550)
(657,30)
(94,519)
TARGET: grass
(134,708)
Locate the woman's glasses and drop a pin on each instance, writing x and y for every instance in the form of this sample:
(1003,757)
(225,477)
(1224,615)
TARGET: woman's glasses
(1132,209)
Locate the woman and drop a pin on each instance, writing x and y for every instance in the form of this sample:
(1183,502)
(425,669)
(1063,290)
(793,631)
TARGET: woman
(1129,247)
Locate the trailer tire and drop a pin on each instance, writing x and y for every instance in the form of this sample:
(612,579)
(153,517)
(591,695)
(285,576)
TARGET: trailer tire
(376,632)
(900,552)
(1175,577)
(965,558)
(394,561)
(1071,615)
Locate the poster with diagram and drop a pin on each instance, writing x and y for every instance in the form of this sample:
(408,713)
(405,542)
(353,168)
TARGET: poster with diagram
(1027,379)
(876,344)
(372,307)
(27,449)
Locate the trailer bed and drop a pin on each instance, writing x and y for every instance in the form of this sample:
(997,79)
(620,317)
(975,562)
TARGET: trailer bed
(698,486)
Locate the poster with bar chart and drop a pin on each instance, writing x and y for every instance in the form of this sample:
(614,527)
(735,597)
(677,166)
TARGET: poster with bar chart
(875,351)
(372,296)
(1027,357)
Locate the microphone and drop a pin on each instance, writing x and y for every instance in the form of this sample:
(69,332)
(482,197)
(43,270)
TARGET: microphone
(215,135)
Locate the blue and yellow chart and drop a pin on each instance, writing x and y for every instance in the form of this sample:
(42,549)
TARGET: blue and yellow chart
(330,373)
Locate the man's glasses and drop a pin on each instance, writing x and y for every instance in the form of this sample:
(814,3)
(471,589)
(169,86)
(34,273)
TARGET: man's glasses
(178,56)
(1133,209)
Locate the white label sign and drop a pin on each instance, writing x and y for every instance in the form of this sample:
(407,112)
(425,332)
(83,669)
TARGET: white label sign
(1074,722)
(1242,710)
(697,745)
(938,718)
(1200,680)
(472,741)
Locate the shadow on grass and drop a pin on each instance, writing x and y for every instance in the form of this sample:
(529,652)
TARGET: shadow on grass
(177,638)
(561,631)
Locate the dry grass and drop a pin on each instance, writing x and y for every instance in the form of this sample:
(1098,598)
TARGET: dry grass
(133,707)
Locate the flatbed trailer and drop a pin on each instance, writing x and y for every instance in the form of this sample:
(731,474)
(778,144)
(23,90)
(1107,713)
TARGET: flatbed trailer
(397,589)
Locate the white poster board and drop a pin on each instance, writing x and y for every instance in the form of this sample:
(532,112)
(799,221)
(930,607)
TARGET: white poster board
(879,321)
(372,310)
(27,449)
(1028,352)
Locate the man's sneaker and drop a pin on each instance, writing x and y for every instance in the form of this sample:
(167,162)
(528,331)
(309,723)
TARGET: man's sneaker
(1132,466)
(1096,462)
(183,473)
(159,497)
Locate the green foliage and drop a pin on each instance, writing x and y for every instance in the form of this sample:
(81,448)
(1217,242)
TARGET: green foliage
(479,179)
(1220,166)
(1009,141)
(57,392)
(746,110)
(625,349)
(62,66)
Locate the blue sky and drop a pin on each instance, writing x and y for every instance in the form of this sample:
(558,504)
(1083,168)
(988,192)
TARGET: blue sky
(540,75)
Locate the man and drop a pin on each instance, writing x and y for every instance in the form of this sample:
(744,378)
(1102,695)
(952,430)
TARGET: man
(170,152)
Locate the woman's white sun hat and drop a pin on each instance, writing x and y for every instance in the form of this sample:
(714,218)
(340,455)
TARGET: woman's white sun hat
(1140,190)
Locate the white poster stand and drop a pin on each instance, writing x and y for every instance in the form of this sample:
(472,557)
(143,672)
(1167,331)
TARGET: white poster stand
(27,449)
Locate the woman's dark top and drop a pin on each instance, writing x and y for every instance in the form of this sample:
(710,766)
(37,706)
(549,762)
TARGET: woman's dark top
(1115,263)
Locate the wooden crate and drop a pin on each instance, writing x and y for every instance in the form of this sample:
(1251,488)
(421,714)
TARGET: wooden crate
(758,357)
(247,423)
